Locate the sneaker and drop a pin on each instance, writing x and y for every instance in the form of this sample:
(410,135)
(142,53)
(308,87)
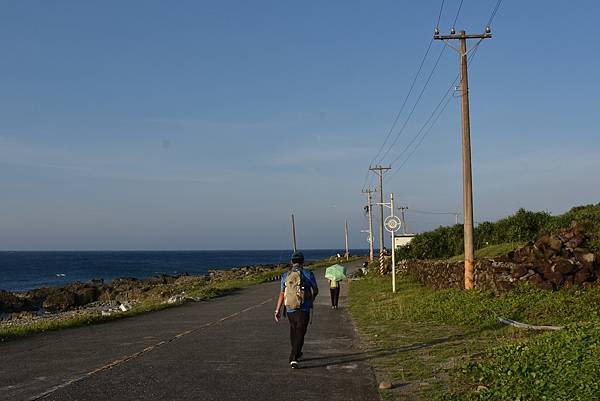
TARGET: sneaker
(294,364)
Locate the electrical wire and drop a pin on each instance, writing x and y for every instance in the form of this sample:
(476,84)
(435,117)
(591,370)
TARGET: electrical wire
(457,14)
(494,11)
(428,212)
(404,102)
(437,24)
(405,99)
(433,116)
(425,134)
(437,61)
(445,98)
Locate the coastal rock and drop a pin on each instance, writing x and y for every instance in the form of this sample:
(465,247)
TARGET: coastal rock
(96,296)
(60,300)
(10,303)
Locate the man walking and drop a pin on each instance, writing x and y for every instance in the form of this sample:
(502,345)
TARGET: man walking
(298,290)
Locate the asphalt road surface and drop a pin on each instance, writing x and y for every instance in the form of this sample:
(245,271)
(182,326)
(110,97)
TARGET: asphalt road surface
(225,349)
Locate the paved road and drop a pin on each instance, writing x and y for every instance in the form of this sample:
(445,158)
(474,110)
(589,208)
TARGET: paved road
(225,349)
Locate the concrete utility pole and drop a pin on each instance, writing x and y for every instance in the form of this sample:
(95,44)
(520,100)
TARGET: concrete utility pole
(456,217)
(380,170)
(293,233)
(402,209)
(466,144)
(346,234)
(369,209)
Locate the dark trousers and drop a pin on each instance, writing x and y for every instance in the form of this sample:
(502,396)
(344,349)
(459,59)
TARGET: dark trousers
(335,295)
(298,325)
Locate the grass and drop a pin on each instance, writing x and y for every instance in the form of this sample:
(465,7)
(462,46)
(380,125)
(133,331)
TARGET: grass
(332,261)
(491,251)
(449,345)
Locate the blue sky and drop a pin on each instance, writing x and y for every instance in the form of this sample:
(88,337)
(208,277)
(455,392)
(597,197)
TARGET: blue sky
(202,125)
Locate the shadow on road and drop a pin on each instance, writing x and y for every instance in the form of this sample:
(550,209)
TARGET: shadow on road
(344,359)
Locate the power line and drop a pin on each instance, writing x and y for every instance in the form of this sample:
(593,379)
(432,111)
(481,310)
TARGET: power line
(431,116)
(457,14)
(437,61)
(437,24)
(426,83)
(404,102)
(428,212)
(425,134)
(471,56)
(494,11)
(405,99)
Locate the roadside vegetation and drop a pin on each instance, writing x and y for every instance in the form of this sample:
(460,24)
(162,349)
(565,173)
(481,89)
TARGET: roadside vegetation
(199,289)
(508,233)
(448,345)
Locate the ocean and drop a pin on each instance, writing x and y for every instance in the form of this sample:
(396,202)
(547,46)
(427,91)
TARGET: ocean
(27,270)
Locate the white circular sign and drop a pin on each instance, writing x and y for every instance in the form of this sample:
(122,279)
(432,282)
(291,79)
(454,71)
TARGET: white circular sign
(392,223)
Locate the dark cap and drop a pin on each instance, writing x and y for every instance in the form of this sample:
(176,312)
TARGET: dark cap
(297,257)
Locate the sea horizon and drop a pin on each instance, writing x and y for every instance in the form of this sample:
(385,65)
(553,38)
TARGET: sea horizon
(26,270)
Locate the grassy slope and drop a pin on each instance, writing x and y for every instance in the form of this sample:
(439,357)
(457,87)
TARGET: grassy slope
(491,251)
(445,344)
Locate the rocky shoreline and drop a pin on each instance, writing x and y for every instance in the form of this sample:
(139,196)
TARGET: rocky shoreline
(118,296)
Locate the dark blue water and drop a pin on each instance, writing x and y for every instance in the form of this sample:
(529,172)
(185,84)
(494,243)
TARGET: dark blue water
(26,270)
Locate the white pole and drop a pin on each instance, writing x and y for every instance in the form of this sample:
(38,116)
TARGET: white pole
(346,235)
(393,248)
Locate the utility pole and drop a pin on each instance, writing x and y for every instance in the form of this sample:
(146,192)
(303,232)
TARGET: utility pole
(369,209)
(293,233)
(402,209)
(466,143)
(346,232)
(380,170)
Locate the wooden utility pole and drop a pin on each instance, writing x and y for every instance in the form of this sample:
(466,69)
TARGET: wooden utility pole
(346,235)
(466,145)
(380,170)
(293,233)
(369,209)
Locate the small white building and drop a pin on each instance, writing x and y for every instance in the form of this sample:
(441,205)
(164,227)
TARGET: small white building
(402,240)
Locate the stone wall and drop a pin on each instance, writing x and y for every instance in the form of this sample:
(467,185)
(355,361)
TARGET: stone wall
(550,263)
(488,274)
